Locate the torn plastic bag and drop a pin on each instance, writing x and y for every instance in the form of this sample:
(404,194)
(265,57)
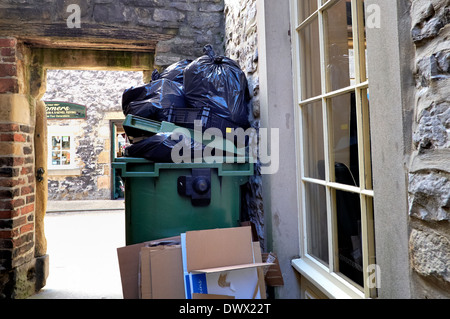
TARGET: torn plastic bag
(174,72)
(154,100)
(158,148)
(218,83)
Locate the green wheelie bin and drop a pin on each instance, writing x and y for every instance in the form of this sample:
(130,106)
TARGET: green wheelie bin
(165,199)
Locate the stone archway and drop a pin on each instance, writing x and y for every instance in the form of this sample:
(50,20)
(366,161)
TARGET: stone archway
(23,158)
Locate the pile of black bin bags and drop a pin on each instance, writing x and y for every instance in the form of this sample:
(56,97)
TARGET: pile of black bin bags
(212,89)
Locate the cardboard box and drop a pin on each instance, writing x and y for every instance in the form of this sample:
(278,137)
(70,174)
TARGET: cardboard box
(207,264)
(222,262)
(273,275)
(161,273)
(129,265)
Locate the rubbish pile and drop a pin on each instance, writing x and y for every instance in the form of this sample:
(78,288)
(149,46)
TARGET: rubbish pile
(222,263)
(211,89)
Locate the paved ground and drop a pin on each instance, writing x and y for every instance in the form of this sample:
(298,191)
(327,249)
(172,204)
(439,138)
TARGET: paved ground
(82,238)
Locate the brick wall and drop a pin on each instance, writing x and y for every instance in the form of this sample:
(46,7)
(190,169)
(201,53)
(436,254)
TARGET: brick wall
(8,67)
(16,193)
(17,181)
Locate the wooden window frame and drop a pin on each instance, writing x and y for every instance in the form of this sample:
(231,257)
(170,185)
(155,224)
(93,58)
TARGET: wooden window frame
(326,277)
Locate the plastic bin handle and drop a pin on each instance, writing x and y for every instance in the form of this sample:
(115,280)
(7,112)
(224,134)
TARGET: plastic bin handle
(125,173)
(222,170)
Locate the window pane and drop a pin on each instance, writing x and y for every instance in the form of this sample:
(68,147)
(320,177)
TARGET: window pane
(367,143)
(314,158)
(339,45)
(348,214)
(310,60)
(66,142)
(316,221)
(65,158)
(345,139)
(56,158)
(306,8)
(363,41)
(56,142)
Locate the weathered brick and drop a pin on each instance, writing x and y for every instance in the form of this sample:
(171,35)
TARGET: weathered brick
(27,209)
(22,239)
(9,127)
(17,222)
(18,202)
(6,244)
(9,193)
(8,52)
(8,233)
(9,172)
(27,228)
(9,213)
(27,150)
(9,182)
(25,128)
(6,224)
(26,190)
(9,85)
(8,69)
(8,42)
(5,214)
(11,161)
(26,170)
(13,137)
(30,199)
(8,59)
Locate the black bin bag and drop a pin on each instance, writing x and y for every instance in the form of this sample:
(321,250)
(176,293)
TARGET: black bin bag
(155,99)
(174,72)
(218,83)
(158,148)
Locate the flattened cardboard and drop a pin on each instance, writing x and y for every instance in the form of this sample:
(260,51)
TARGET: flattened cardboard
(240,283)
(129,266)
(161,273)
(273,277)
(218,248)
(222,262)
(258,258)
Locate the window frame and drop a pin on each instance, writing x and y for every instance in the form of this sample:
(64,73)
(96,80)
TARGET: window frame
(326,277)
(61,131)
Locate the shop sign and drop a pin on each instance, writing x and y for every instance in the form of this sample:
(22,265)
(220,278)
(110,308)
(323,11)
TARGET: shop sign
(65,110)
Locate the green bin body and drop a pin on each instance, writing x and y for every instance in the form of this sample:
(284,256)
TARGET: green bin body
(157,204)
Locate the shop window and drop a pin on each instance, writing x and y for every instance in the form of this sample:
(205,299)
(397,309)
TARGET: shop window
(61,148)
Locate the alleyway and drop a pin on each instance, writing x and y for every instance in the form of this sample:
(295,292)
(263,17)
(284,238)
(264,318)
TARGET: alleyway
(82,250)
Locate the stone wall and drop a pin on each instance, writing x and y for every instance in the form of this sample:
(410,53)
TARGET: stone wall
(101,93)
(201,22)
(241,45)
(173,29)
(429,175)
